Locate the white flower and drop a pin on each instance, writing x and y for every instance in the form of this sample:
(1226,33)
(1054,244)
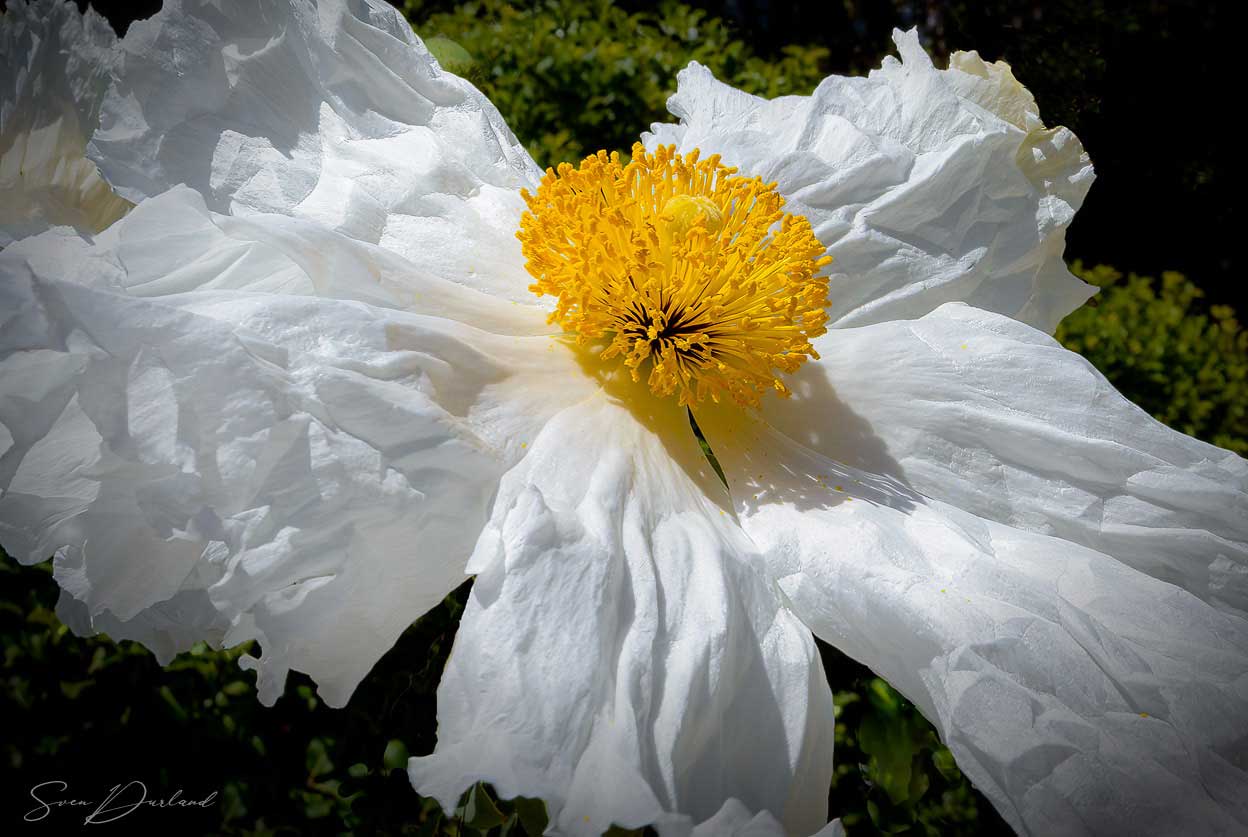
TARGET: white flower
(301,392)
(55,66)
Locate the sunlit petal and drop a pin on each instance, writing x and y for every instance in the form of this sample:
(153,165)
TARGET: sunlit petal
(333,112)
(318,467)
(999,420)
(54,70)
(921,192)
(1077,688)
(622,656)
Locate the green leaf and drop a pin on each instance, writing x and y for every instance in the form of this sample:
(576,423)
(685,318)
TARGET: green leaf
(316,806)
(98,660)
(172,702)
(1158,343)
(532,813)
(43,616)
(919,782)
(72,689)
(309,697)
(942,758)
(395,757)
(236,688)
(480,812)
(883,697)
(453,57)
(891,747)
(317,758)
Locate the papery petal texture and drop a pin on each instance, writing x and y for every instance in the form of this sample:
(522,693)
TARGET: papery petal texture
(54,71)
(333,112)
(1000,420)
(315,468)
(622,656)
(1074,629)
(919,181)
(735,820)
(993,87)
(301,392)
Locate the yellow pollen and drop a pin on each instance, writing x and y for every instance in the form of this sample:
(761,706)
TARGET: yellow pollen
(682,212)
(680,267)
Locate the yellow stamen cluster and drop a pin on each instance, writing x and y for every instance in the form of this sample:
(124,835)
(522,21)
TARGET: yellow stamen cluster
(677,263)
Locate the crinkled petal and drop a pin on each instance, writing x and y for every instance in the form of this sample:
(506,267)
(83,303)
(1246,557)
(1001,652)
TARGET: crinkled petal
(54,69)
(918,180)
(166,628)
(735,820)
(172,244)
(1000,420)
(333,112)
(316,469)
(622,656)
(1081,695)
(994,88)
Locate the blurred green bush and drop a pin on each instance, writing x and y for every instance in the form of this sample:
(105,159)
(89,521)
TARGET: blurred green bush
(575,76)
(570,77)
(1183,362)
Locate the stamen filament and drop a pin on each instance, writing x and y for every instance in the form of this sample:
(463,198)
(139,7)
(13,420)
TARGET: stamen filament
(682,266)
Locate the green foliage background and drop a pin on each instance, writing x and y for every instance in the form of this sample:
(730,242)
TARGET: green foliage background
(574,77)
(570,76)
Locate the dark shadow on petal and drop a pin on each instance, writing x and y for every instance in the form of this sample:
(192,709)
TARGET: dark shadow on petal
(810,450)
(664,417)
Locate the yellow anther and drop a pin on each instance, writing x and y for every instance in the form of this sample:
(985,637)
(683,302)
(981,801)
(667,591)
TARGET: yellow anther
(681,212)
(677,265)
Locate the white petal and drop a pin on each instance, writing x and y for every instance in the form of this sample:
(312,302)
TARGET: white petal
(334,112)
(621,655)
(54,65)
(922,193)
(994,88)
(735,820)
(998,419)
(172,244)
(319,468)
(166,628)
(1080,695)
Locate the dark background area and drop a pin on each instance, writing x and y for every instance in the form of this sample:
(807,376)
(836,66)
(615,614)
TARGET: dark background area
(1147,86)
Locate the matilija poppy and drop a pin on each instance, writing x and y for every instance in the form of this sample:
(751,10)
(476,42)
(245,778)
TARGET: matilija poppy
(55,65)
(306,387)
